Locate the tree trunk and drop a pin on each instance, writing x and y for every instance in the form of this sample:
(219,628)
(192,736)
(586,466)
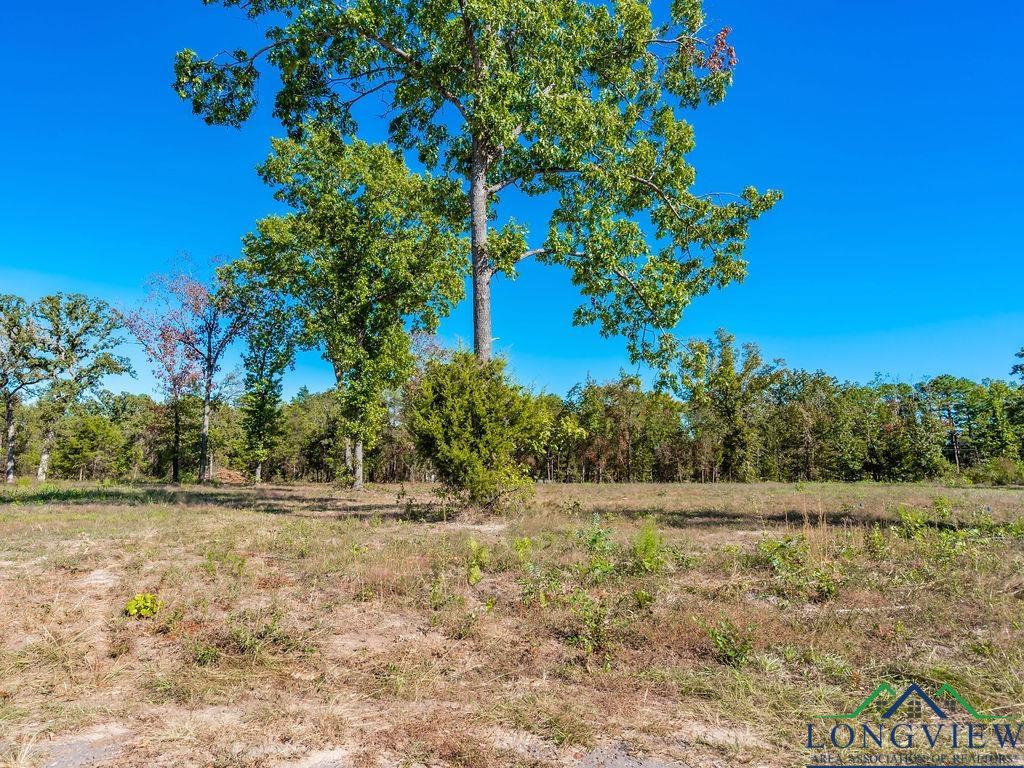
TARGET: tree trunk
(348,453)
(259,472)
(176,452)
(357,482)
(629,455)
(481,262)
(44,457)
(9,466)
(204,436)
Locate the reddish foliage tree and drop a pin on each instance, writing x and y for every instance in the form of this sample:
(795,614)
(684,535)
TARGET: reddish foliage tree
(157,330)
(210,319)
(189,338)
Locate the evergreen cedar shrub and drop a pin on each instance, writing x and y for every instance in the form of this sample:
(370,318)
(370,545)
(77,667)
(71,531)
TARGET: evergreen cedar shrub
(474,425)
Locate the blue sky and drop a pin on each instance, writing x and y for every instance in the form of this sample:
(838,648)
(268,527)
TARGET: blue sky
(894,130)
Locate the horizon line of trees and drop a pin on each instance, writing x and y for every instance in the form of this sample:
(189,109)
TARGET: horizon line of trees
(723,413)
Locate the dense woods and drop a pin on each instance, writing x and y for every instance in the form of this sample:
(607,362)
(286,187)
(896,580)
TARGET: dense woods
(723,414)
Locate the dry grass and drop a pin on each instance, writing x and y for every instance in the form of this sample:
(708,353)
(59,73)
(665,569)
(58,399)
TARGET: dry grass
(301,624)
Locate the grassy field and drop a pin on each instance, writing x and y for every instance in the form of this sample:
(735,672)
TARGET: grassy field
(633,625)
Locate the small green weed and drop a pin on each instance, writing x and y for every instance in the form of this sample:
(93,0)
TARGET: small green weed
(540,587)
(591,616)
(224,561)
(875,543)
(523,547)
(794,575)
(912,521)
(258,634)
(643,599)
(478,560)
(144,605)
(204,654)
(649,554)
(550,717)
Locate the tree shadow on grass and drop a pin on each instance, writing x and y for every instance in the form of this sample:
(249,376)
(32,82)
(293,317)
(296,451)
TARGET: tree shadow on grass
(711,517)
(283,500)
(268,500)
(273,500)
(127,495)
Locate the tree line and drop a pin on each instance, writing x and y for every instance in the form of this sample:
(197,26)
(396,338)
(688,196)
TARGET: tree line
(580,104)
(722,414)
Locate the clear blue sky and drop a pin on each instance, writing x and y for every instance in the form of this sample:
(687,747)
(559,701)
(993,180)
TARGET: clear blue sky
(894,129)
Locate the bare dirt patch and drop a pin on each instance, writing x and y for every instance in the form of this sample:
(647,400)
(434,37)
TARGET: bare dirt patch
(90,747)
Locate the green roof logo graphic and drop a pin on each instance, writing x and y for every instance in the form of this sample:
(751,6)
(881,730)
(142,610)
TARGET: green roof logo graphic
(914,691)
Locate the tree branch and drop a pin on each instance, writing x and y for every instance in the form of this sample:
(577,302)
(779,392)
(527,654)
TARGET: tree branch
(526,176)
(409,59)
(617,271)
(471,39)
(363,94)
(660,193)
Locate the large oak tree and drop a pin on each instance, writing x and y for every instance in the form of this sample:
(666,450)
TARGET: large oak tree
(576,101)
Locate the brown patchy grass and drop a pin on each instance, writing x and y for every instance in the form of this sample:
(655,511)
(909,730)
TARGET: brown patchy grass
(701,624)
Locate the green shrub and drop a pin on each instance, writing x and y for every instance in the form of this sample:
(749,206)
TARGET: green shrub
(875,543)
(523,546)
(913,521)
(998,471)
(540,587)
(788,559)
(601,549)
(823,583)
(943,509)
(440,596)
(592,621)
(730,645)
(783,555)
(475,427)
(144,605)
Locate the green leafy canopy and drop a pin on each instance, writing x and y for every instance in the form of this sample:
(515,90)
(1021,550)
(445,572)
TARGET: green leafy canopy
(369,251)
(576,101)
